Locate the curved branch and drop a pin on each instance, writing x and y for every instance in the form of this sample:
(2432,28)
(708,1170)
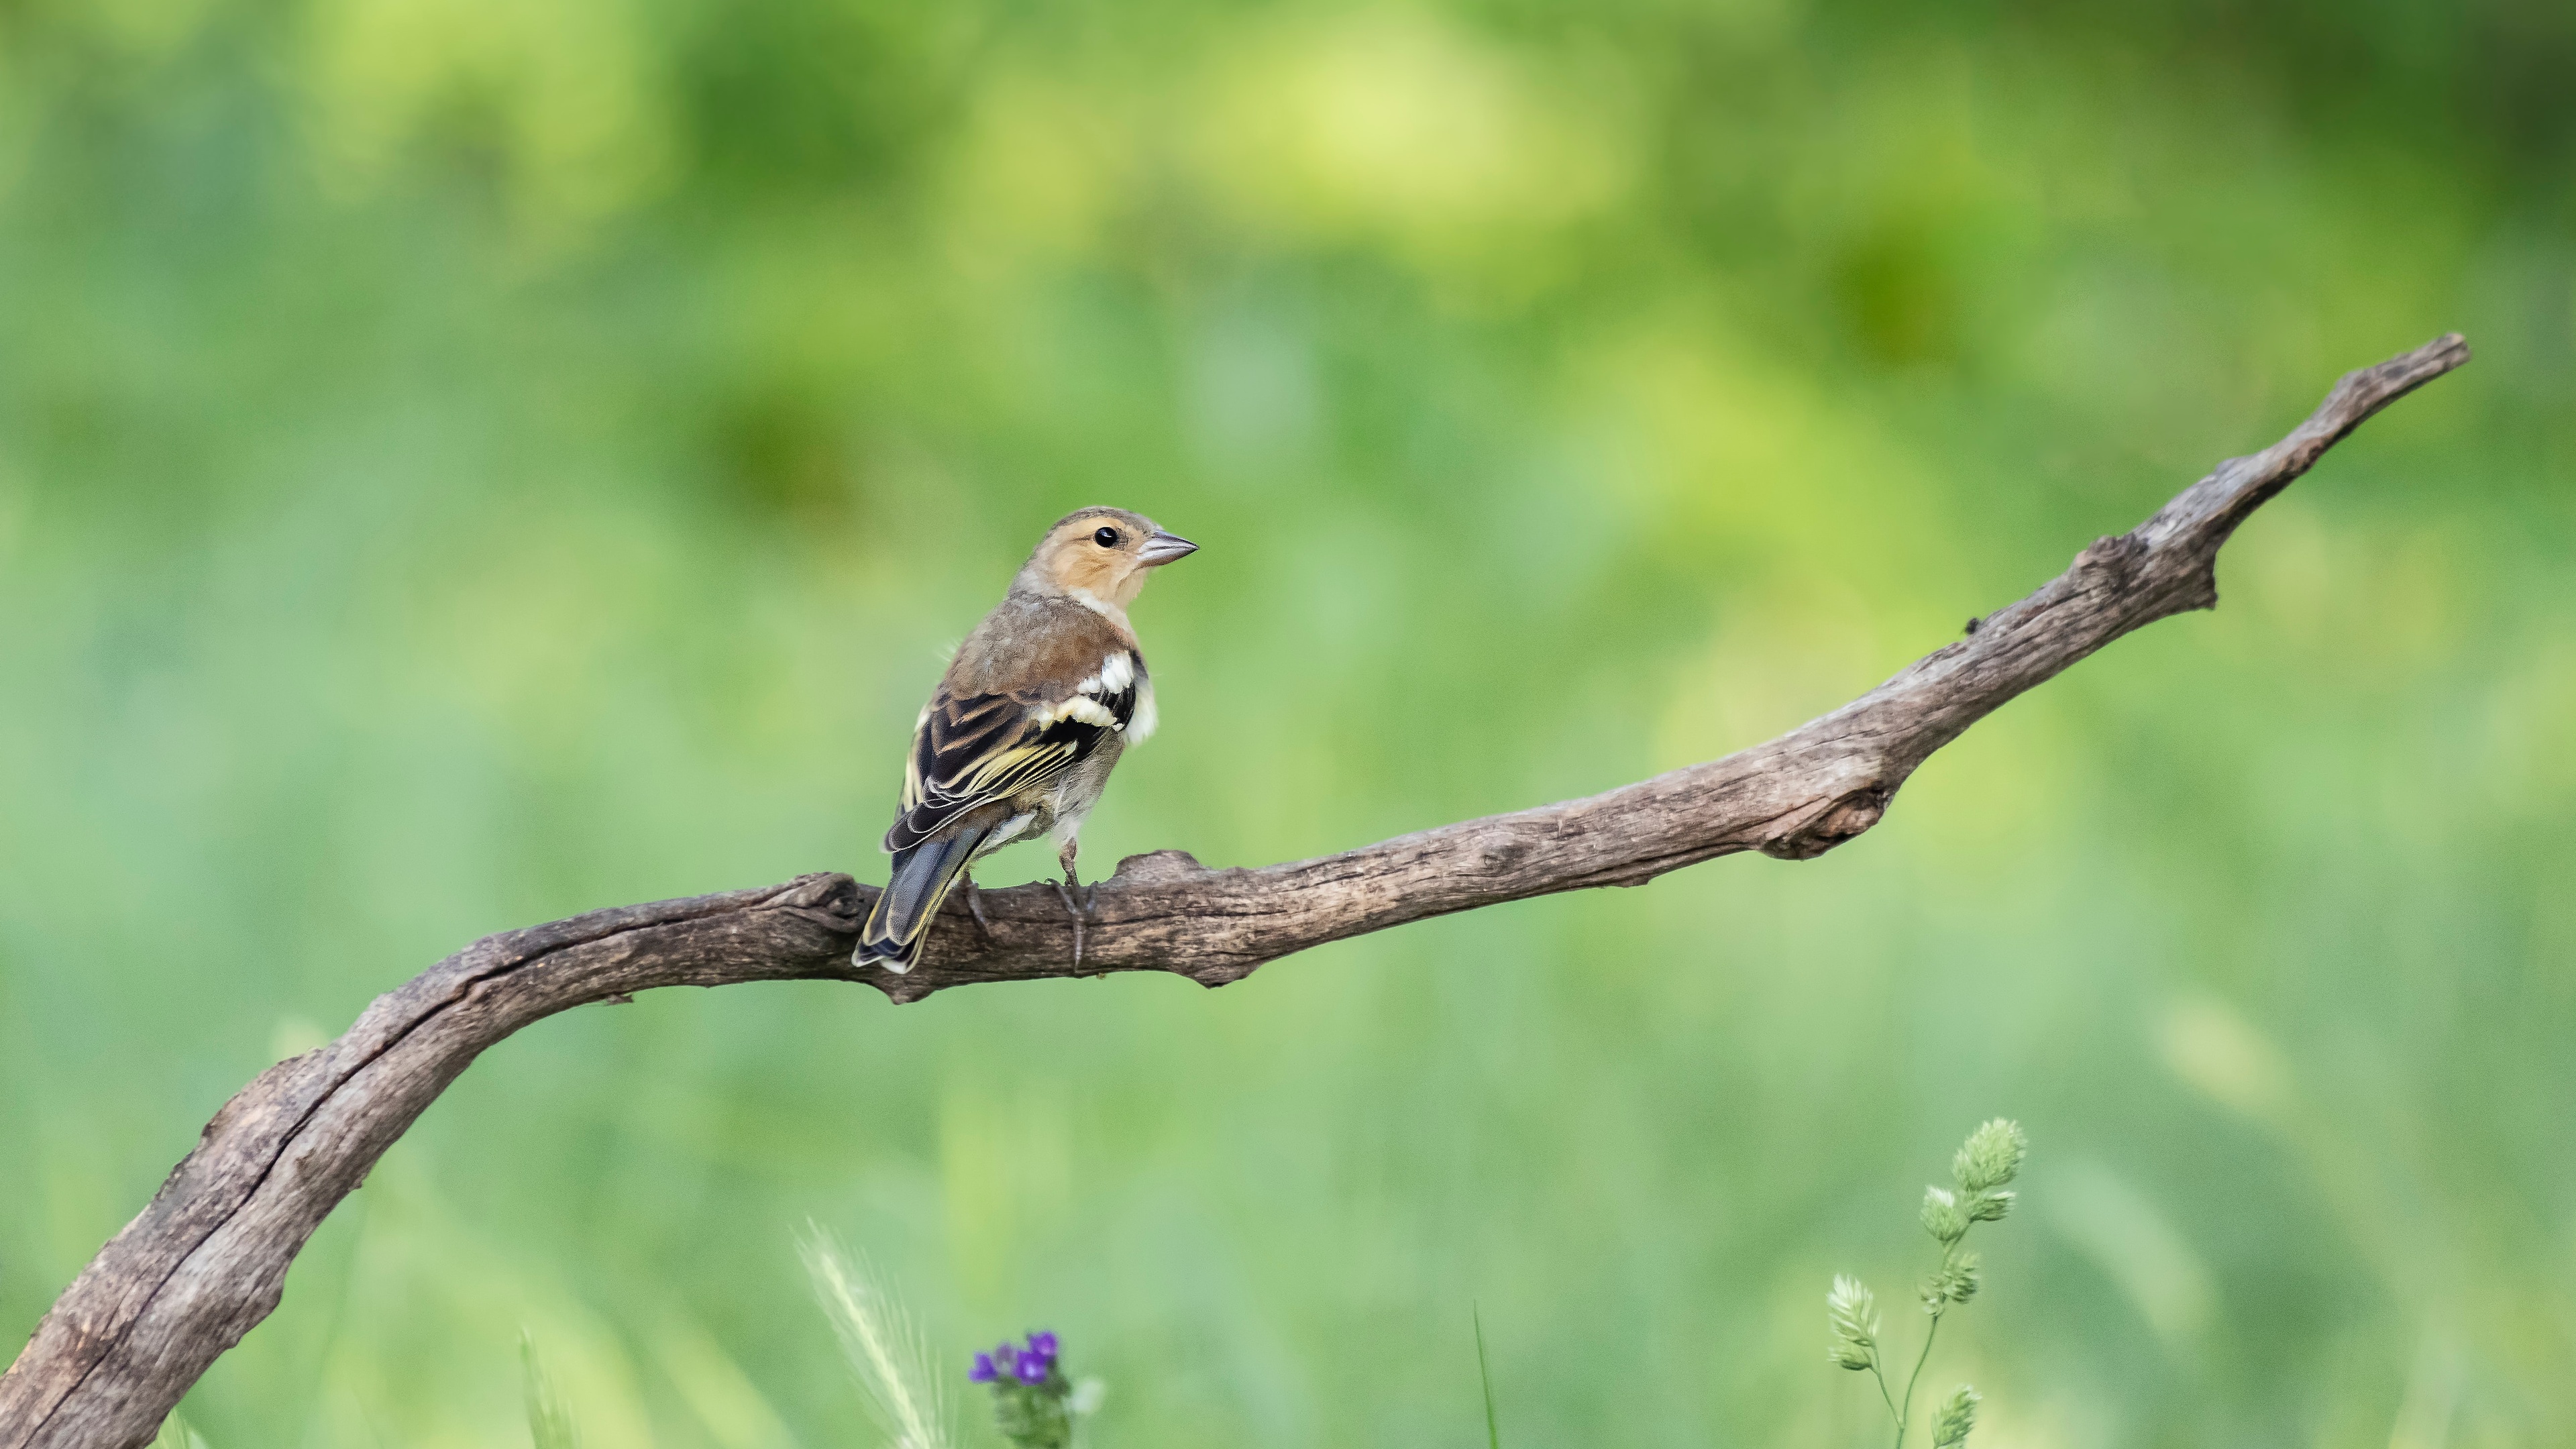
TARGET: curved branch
(207,1259)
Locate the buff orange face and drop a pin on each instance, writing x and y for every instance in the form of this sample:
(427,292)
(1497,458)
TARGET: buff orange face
(1106,553)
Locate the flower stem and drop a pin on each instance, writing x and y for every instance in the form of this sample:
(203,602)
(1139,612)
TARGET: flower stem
(1884,1395)
(1905,1414)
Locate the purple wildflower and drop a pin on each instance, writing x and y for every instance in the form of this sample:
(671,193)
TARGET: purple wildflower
(982,1372)
(1032,1368)
(1043,1345)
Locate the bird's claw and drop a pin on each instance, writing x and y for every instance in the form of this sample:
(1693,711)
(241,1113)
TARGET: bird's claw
(1065,893)
(975,907)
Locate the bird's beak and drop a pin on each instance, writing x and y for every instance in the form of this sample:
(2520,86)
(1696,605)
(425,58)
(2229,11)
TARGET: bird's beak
(1162,548)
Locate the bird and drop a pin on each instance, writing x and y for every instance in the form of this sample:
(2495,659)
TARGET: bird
(1020,736)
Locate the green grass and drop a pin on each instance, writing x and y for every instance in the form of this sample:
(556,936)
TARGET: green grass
(1485,1380)
(550,1419)
(462,464)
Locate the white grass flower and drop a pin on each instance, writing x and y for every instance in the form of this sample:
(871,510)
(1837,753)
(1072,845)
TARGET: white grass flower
(1990,1157)
(1943,1218)
(1852,1310)
(1956,1417)
(1089,1393)
(1954,1283)
(885,1347)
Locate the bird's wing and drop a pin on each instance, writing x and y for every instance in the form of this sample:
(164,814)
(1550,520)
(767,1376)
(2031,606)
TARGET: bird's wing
(980,749)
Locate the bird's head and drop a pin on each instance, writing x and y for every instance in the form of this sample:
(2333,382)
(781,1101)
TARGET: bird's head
(1104,553)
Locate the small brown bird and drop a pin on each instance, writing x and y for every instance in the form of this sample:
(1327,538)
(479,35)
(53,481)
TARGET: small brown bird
(1019,739)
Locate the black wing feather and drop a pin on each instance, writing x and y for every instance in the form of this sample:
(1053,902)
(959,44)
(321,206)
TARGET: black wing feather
(988,748)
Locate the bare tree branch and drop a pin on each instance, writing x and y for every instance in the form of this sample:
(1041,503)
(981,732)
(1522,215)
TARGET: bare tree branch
(207,1259)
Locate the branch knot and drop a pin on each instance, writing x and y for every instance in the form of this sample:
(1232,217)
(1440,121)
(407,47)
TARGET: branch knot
(1844,818)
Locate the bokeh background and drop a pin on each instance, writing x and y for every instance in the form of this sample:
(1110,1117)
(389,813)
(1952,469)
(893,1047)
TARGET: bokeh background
(465,462)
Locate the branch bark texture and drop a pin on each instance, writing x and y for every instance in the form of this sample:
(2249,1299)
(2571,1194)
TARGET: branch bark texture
(207,1259)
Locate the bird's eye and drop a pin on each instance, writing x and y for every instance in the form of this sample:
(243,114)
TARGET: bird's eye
(1106,538)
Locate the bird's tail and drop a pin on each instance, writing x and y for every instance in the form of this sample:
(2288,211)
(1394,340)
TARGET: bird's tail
(900,924)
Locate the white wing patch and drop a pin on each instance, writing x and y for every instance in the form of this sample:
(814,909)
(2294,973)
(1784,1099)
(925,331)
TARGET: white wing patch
(970,752)
(1081,707)
(1087,704)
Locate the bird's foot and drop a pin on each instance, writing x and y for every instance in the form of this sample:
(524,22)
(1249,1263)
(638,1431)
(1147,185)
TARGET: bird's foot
(975,907)
(1064,892)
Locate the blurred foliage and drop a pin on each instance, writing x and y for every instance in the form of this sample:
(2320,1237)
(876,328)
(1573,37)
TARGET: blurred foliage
(463,462)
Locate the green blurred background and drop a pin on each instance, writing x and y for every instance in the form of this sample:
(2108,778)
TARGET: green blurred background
(465,462)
